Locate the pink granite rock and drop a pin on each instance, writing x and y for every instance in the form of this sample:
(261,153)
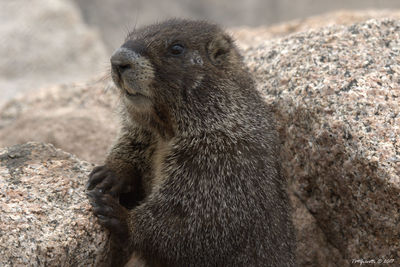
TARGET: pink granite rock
(77,118)
(45,217)
(252,36)
(336,93)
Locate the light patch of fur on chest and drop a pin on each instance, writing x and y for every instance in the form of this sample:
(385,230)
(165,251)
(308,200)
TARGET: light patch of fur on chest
(163,148)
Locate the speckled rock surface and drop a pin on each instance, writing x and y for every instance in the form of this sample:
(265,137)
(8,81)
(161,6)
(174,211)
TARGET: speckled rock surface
(77,118)
(249,37)
(336,96)
(45,217)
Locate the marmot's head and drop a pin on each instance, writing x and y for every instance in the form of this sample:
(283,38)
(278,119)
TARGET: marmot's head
(177,73)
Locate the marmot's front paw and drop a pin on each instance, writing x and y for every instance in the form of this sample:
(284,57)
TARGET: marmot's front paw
(110,214)
(106,181)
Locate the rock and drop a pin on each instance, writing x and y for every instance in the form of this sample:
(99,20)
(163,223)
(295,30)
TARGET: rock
(43,42)
(45,217)
(252,36)
(77,118)
(336,93)
(313,248)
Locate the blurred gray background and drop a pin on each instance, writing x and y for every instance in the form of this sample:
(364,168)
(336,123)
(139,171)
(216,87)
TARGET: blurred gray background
(114,17)
(45,42)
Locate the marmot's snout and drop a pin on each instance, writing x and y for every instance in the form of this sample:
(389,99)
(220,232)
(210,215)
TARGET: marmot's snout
(131,72)
(120,62)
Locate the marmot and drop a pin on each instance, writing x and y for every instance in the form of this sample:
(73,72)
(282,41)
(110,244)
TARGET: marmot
(197,158)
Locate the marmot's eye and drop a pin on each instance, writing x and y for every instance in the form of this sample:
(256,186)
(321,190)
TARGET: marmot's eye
(177,49)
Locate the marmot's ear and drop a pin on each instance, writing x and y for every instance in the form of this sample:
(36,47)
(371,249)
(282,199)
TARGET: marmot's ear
(218,49)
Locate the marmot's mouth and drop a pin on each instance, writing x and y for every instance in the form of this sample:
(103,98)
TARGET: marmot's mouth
(135,95)
(132,94)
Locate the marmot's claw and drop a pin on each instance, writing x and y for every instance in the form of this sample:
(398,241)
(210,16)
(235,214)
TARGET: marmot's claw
(109,213)
(92,194)
(105,181)
(96,176)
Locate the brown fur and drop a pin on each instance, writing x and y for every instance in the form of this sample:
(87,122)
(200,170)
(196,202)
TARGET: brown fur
(197,158)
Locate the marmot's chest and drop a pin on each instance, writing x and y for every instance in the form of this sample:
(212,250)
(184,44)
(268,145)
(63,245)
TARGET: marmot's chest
(161,151)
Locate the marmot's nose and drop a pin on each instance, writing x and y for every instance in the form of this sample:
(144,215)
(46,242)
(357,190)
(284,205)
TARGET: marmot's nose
(121,61)
(120,67)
